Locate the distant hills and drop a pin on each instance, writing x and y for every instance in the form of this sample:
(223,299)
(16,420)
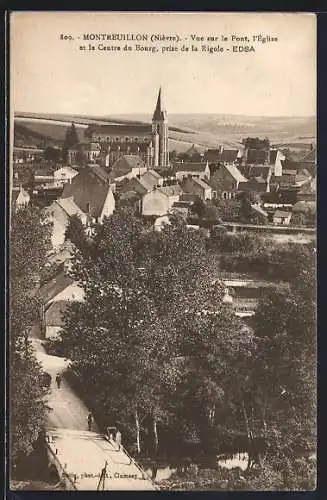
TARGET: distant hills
(203,130)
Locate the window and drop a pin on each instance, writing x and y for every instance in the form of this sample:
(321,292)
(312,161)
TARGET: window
(225,195)
(117,138)
(127,139)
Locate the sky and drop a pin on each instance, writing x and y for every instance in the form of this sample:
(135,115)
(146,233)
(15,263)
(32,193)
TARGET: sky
(51,75)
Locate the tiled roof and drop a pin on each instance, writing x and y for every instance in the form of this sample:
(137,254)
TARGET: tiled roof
(130,130)
(190,167)
(309,188)
(51,289)
(212,155)
(201,183)
(154,174)
(289,172)
(68,205)
(311,156)
(234,172)
(229,155)
(67,169)
(281,213)
(256,156)
(124,165)
(171,190)
(251,171)
(54,313)
(89,190)
(300,165)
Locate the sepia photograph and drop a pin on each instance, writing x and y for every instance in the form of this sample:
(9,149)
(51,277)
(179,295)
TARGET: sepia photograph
(162,251)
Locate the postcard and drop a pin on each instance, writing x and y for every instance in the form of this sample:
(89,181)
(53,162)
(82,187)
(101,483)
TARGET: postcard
(162,251)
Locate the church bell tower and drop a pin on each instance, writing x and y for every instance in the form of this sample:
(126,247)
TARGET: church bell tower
(160,135)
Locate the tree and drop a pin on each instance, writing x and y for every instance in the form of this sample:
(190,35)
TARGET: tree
(75,232)
(52,154)
(29,243)
(284,372)
(199,208)
(71,140)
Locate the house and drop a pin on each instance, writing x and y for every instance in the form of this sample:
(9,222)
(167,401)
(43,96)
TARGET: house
(184,170)
(127,166)
(19,197)
(44,177)
(151,179)
(193,155)
(225,181)
(212,156)
(64,174)
(160,200)
(182,208)
(230,156)
(130,199)
(62,288)
(308,192)
(161,222)
(254,156)
(59,213)
(53,318)
(91,192)
(195,185)
(282,217)
(255,185)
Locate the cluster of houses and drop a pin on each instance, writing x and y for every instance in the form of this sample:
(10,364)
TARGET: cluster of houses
(95,191)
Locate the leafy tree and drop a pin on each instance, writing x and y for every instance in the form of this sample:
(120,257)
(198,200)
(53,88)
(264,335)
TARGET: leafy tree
(285,371)
(228,210)
(71,140)
(199,208)
(75,232)
(52,154)
(29,243)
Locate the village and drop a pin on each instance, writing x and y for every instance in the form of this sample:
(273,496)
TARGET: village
(250,207)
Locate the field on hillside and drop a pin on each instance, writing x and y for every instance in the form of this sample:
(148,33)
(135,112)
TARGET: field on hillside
(203,130)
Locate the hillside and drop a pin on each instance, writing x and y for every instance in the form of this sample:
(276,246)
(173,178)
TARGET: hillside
(203,130)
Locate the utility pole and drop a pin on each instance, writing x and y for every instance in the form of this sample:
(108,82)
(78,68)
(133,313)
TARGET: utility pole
(102,479)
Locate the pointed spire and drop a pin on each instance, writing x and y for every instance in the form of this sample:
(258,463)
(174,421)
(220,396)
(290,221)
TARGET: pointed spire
(159,113)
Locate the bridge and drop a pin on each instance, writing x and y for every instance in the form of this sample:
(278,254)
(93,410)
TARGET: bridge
(75,454)
(86,460)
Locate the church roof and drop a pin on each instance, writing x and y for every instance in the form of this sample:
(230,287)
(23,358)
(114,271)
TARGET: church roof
(159,113)
(128,130)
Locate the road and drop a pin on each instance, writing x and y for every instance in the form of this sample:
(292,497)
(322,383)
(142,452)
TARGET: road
(82,453)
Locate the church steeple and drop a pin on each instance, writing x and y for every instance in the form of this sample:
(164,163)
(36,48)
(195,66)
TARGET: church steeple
(160,135)
(159,113)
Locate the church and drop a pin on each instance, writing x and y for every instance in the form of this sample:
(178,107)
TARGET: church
(149,141)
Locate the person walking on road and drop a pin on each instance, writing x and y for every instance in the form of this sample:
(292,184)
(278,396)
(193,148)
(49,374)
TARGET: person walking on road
(89,421)
(58,380)
(118,439)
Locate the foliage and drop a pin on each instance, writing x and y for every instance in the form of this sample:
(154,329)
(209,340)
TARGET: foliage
(228,210)
(75,232)
(52,154)
(256,143)
(134,338)
(29,243)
